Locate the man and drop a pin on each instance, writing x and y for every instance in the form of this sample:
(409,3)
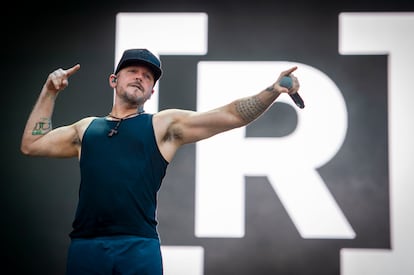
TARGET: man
(123,159)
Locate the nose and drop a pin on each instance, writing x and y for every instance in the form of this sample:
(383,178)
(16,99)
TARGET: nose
(138,77)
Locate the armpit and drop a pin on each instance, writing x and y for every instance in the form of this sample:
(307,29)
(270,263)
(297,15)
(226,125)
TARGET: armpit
(174,133)
(76,141)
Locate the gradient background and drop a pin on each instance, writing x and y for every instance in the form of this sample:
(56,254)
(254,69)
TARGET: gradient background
(39,195)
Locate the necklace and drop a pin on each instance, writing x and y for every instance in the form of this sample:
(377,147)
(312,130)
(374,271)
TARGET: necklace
(115,130)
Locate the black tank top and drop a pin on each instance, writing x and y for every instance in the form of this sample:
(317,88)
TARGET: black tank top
(120,178)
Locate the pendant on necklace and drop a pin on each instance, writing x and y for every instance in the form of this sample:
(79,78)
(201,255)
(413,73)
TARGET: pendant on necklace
(114,130)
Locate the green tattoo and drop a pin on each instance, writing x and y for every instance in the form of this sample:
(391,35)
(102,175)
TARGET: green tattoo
(42,127)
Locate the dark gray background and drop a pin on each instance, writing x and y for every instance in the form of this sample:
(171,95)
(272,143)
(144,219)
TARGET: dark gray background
(39,195)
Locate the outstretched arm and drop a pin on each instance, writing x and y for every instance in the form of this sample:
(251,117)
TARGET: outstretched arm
(39,138)
(177,127)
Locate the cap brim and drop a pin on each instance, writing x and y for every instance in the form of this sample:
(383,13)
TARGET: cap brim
(155,70)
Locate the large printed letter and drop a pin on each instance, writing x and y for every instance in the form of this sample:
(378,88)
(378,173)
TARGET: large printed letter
(172,34)
(392,34)
(224,160)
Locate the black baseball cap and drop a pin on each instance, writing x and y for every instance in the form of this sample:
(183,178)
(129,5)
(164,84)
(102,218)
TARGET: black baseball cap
(140,56)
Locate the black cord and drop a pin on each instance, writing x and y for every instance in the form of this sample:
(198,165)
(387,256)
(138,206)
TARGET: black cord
(114,130)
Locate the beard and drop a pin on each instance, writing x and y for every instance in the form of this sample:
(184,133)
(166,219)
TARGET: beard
(133,99)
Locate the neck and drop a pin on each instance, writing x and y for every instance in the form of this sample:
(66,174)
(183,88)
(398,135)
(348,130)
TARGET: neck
(121,115)
(119,120)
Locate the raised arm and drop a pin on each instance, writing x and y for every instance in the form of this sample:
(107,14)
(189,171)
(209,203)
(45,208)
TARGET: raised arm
(39,138)
(177,127)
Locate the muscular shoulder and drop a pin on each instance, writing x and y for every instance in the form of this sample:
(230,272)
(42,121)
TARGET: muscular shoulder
(169,129)
(168,124)
(81,127)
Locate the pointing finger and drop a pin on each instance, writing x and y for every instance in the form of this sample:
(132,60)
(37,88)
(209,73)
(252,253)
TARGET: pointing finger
(72,70)
(289,71)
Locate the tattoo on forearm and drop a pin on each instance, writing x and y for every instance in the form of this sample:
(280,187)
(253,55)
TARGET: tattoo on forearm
(48,94)
(250,108)
(42,127)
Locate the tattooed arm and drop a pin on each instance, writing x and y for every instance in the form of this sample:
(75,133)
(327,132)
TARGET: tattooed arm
(39,138)
(174,128)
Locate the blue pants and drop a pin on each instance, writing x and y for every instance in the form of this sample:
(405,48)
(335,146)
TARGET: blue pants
(114,255)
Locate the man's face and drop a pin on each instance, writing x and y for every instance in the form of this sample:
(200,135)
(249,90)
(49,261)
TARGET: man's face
(135,83)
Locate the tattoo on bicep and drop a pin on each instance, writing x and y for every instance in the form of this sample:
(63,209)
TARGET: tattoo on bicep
(250,108)
(42,127)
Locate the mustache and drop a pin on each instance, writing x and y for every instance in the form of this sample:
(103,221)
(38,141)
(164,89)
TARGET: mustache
(136,84)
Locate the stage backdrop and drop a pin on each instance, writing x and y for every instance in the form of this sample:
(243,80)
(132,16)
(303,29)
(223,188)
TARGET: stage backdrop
(322,190)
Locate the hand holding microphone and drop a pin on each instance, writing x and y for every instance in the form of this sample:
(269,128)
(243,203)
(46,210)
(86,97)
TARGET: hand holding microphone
(286,82)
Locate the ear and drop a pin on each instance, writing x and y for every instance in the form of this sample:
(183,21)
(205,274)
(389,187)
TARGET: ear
(112,80)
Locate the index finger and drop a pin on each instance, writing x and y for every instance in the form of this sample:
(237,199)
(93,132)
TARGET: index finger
(72,70)
(289,71)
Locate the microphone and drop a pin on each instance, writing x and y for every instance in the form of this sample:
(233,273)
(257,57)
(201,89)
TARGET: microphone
(286,82)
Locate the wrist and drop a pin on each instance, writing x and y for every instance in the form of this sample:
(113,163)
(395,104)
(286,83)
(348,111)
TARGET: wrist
(272,89)
(48,94)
